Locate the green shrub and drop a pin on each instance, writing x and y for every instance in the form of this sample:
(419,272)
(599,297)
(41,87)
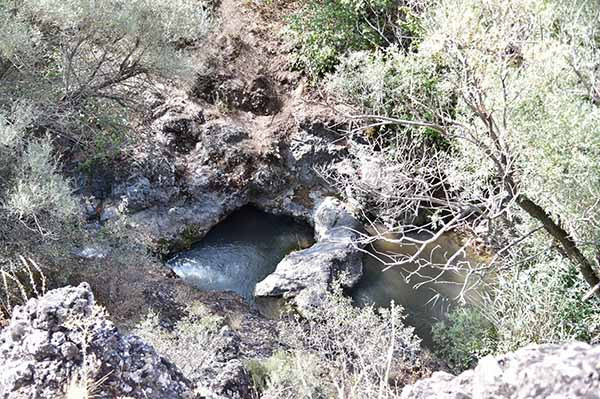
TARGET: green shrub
(543,304)
(523,158)
(323,31)
(338,350)
(82,62)
(289,374)
(539,304)
(191,345)
(32,190)
(391,83)
(464,338)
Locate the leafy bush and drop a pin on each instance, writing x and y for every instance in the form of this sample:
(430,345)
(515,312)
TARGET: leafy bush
(337,350)
(32,191)
(322,31)
(80,62)
(464,338)
(389,83)
(543,304)
(522,80)
(191,345)
(289,375)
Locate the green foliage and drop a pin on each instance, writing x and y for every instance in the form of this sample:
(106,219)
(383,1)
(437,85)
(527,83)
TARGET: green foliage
(391,83)
(513,87)
(337,347)
(32,190)
(82,62)
(280,373)
(543,304)
(536,87)
(323,31)
(191,344)
(464,338)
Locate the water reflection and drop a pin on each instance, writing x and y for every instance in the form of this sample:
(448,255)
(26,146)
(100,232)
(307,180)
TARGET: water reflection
(426,292)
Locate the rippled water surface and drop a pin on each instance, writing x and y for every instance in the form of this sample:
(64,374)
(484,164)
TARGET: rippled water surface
(241,251)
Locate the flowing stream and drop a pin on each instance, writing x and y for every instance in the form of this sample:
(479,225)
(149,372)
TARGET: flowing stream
(241,251)
(247,246)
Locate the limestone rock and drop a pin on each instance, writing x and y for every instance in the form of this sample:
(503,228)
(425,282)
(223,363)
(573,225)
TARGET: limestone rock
(52,339)
(196,167)
(569,371)
(315,266)
(334,222)
(307,274)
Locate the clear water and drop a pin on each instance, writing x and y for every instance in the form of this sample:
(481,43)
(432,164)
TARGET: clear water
(241,251)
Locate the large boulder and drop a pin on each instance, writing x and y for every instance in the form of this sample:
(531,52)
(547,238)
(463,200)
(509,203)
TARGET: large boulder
(61,337)
(318,265)
(305,275)
(569,371)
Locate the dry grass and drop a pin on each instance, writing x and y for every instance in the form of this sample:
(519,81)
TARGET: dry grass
(19,282)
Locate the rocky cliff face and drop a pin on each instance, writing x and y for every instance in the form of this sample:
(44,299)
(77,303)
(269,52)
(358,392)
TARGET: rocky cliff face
(62,337)
(569,371)
(245,132)
(193,172)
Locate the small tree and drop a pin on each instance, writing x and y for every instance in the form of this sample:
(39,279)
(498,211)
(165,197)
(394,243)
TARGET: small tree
(521,128)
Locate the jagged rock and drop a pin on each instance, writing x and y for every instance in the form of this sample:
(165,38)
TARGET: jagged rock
(214,182)
(53,339)
(257,96)
(225,374)
(137,193)
(307,274)
(177,124)
(196,168)
(311,147)
(570,371)
(334,222)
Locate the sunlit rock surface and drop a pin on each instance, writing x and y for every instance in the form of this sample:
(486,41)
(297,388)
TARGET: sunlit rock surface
(312,270)
(52,339)
(570,371)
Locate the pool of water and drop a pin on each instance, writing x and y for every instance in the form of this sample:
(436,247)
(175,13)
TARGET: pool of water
(241,251)
(247,246)
(425,302)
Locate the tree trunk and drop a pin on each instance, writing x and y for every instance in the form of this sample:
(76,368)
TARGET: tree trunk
(563,238)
